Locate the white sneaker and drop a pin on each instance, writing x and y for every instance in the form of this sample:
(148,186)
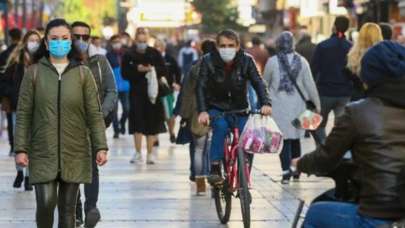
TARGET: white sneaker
(150,159)
(136,158)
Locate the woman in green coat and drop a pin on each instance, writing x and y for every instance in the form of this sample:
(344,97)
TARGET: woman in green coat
(57,113)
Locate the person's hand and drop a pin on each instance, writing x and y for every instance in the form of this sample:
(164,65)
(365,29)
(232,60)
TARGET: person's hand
(21,159)
(176,87)
(266,110)
(101,157)
(204,118)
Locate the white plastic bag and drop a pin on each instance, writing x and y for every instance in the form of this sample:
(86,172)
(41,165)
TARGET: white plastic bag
(153,85)
(261,135)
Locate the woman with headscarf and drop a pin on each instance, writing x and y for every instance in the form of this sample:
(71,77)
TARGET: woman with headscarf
(287,103)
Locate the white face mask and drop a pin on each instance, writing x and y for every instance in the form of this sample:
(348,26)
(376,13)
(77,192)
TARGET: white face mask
(227,54)
(32,46)
(116,46)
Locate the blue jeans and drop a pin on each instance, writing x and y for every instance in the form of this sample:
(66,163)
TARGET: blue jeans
(120,124)
(338,214)
(201,163)
(220,128)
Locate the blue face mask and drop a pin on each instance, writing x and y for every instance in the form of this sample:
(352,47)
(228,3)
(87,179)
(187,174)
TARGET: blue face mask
(82,46)
(59,48)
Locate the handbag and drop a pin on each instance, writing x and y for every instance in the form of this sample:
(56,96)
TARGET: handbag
(308,119)
(184,135)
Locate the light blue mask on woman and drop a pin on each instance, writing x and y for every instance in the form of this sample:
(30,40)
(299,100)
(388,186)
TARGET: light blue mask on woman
(59,48)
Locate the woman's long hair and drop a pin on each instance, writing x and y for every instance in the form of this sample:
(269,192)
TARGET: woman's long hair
(20,54)
(43,51)
(370,34)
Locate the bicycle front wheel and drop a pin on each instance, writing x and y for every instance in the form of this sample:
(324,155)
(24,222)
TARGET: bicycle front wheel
(223,202)
(244,194)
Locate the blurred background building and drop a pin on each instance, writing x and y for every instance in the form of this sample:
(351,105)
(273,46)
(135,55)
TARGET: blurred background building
(193,19)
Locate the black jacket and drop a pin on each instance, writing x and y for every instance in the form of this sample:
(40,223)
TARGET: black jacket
(173,70)
(129,69)
(328,67)
(217,90)
(374,130)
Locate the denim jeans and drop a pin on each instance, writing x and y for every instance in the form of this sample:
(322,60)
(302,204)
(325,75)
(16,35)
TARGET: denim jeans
(117,124)
(191,147)
(328,104)
(220,128)
(291,149)
(201,155)
(338,215)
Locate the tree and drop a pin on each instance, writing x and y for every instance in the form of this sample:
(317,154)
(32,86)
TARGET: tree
(217,15)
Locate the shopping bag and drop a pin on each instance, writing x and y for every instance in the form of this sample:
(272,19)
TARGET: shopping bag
(261,135)
(153,85)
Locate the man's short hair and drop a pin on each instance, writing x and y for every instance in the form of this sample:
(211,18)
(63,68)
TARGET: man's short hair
(386,30)
(229,34)
(15,34)
(81,24)
(342,24)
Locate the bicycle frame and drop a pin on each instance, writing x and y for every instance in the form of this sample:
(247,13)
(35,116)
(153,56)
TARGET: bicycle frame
(231,151)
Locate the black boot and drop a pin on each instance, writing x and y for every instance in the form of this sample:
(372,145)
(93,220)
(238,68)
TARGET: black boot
(215,176)
(18,179)
(92,218)
(27,185)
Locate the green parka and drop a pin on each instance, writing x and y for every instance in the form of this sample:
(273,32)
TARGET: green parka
(56,115)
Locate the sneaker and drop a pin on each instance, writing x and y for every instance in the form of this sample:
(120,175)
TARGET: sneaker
(286,177)
(18,179)
(200,184)
(79,222)
(215,176)
(27,186)
(92,218)
(122,130)
(149,159)
(136,158)
(116,135)
(296,177)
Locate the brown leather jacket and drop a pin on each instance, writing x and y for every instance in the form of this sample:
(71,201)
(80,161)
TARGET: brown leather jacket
(374,130)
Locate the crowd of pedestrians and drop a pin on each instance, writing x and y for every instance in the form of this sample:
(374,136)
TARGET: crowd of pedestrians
(63,88)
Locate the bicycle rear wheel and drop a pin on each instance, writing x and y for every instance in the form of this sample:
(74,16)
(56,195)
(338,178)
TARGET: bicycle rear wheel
(244,194)
(223,202)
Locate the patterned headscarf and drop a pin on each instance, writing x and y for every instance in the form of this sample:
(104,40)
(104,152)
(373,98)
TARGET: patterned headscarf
(285,46)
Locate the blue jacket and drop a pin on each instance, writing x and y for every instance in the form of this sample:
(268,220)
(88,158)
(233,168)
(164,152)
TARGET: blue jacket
(328,65)
(114,59)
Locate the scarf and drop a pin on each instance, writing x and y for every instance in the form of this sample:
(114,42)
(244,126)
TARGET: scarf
(285,45)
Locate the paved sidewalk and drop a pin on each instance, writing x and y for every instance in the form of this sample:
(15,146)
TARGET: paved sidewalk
(161,195)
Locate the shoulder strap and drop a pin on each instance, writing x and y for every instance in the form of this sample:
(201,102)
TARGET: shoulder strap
(99,72)
(81,74)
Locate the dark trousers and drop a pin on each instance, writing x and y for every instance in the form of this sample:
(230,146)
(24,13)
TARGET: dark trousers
(328,104)
(10,130)
(91,191)
(48,196)
(192,157)
(291,149)
(119,124)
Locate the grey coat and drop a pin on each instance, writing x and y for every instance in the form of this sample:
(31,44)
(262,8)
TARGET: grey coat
(287,107)
(104,76)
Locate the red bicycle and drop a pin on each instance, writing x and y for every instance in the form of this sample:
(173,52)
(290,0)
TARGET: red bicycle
(236,173)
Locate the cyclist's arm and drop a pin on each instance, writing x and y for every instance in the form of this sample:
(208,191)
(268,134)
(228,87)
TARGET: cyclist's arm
(327,156)
(201,87)
(258,83)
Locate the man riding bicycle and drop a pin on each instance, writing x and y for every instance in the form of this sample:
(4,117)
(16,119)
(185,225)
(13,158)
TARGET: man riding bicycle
(222,87)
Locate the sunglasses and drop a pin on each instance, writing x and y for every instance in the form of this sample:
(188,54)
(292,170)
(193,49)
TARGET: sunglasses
(83,37)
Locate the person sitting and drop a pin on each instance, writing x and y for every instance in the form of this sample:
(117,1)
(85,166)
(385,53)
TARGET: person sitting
(374,131)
